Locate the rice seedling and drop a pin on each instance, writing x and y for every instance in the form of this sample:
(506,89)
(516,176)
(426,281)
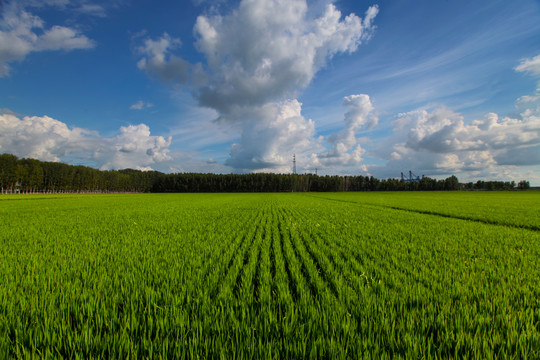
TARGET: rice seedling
(407,275)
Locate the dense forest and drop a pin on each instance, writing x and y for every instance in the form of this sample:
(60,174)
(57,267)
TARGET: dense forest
(34,176)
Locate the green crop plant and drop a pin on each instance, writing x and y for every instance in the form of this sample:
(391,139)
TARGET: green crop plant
(311,275)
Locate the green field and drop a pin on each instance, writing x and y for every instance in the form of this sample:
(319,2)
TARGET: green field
(318,275)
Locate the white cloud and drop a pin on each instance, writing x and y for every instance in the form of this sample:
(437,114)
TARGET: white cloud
(270,137)
(443,131)
(139,105)
(346,150)
(280,130)
(134,147)
(359,114)
(531,65)
(441,142)
(62,38)
(257,57)
(38,137)
(22,33)
(47,139)
(266,50)
(93,10)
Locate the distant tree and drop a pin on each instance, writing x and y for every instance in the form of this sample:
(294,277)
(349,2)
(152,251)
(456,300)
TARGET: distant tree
(21,175)
(34,171)
(451,183)
(8,164)
(29,175)
(523,185)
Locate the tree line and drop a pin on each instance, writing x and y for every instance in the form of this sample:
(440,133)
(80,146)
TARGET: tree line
(34,176)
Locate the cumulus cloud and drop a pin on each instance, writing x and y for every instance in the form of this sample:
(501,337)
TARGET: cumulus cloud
(47,139)
(268,143)
(257,58)
(266,50)
(359,114)
(157,60)
(443,131)
(346,150)
(441,142)
(22,33)
(134,147)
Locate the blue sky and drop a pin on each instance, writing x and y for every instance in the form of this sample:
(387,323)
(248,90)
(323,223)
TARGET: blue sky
(350,87)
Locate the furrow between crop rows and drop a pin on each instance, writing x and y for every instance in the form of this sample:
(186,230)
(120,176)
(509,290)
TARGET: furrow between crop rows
(335,260)
(300,286)
(435,213)
(284,284)
(466,218)
(317,277)
(231,281)
(225,260)
(264,277)
(246,281)
(315,256)
(277,276)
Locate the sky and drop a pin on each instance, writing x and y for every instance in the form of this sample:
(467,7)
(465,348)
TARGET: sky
(350,87)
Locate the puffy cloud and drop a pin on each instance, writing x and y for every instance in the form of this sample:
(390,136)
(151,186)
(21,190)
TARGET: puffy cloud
(440,142)
(266,50)
(337,158)
(529,106)
(256,57)
(275,131)
(359,114)
(41,138)
(62,38)
(157,60)
(22,33)
(269,142)
(346,151)
(47,139)
(134,147)
(443,131)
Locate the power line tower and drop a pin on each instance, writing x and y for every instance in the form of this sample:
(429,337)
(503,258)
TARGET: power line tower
(294,164)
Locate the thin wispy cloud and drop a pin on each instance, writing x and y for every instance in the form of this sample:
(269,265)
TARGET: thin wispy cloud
(531,65)
(139,105)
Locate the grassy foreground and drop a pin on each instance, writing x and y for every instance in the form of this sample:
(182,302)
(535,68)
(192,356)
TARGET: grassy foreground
(319,275)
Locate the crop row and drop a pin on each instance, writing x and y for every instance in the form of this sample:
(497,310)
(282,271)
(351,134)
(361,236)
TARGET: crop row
(514,209)
(260,275)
